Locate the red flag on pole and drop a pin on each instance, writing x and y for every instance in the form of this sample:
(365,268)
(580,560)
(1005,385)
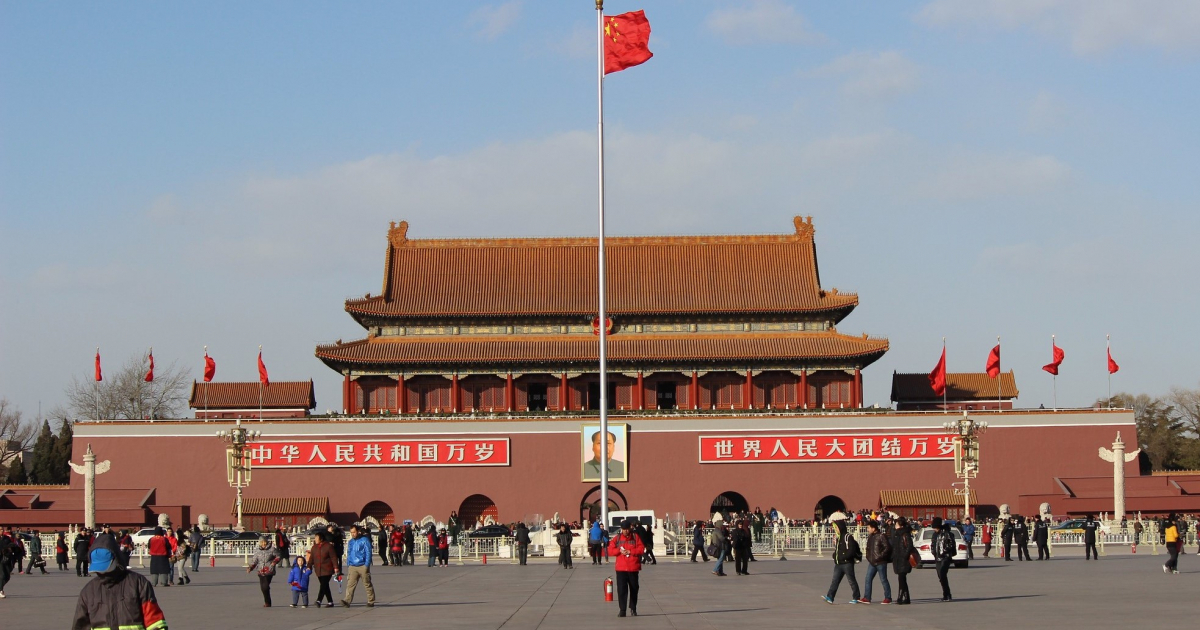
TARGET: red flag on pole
(1052,366)
(262,371)
(626,41)
(99,374)
(150,372)
(993,362)
(210,367)
(937,378)
(1112,365)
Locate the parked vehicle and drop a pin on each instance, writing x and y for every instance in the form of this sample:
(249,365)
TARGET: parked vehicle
(924,542)
(491,531)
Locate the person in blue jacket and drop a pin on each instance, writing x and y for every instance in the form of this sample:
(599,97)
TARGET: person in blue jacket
(358,566)
(596,540)
(298,578)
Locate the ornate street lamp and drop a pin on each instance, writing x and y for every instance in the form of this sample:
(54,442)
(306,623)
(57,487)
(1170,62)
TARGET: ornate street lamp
(237,461)
(966,454)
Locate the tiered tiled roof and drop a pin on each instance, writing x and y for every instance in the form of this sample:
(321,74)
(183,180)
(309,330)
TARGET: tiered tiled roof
(560,349)
(959,386)
(676,275)
(922,498)
(282,506)
(244,395)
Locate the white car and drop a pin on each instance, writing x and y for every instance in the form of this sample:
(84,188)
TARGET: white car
(924,540)
(142,536)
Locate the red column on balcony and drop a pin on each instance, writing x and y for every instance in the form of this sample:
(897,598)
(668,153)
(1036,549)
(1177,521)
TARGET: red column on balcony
(695,390)
(347,404)
(564,394)
(508,393)
(401,394)
(802,398)
(748,391)
(858,395)
(455,393)
(641,391)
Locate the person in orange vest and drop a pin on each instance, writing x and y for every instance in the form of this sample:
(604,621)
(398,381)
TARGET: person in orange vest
(628,548)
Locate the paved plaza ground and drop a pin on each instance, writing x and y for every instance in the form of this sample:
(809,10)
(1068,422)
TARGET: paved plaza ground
(1121,590)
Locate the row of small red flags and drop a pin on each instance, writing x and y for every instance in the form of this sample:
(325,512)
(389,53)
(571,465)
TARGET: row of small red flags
(937,378)
(210,367)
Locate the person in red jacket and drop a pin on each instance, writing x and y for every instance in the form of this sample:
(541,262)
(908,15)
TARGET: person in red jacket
(628,549)
(160,557)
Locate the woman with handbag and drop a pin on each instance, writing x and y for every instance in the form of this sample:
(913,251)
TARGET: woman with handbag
(904,558)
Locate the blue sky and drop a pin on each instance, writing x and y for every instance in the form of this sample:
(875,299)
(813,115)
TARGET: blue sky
(178,175)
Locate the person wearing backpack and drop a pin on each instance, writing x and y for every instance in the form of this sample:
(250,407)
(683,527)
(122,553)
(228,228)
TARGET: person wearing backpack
(845,554)
(944,549)
(902,561)
(879,555)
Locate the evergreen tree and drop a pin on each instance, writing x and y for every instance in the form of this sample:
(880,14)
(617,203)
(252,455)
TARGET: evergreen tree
(43,457)
(61,458)
(16,473)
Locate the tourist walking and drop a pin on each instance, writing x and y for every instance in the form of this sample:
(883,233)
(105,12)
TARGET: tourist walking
(60,552)
(1138,528)
(385,543)
(180,560)
(1090,526)
(1041,537)
(647,537)
(698,541)
(410,546)
(741,548)
(902,552)
(944,549)
(718,544)
(879,556)
(521,536)
(125,546)
(80,546)
(283,545)
(986,538)
(394,547)
(968,532)
(36,561)
(264,559)
(196,542)
(1006,535)
(628,549)
(8,553)
(298,579)
(564,539)
(116,597)
(160,558)
(1171,540)
(443,543)
(595,541)
(358,566)
(325,565)
(845,553)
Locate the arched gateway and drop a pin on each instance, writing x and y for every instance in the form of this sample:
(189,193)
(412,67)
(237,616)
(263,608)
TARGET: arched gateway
(827,506)
(381,511)
(729,502)
(476,507)
(589,507)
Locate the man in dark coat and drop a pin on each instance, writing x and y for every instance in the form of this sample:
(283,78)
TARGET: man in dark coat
(1090,527)
(1007,538)
(944,549)
(385,542)
(843,560)
(81,544)
(116,597)
(1041,537)
(741,548)
(879,556)
(521,536)
(1021,535)
(902,546)
(698,541)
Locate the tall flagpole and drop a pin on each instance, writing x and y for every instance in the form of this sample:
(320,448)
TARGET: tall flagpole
(603,320)
(260,386)
(945,409)
(1108,354)
(1054,375)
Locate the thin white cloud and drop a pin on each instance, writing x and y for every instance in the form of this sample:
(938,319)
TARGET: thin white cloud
(1048,112)
(973,177)
(762,22)
(1089,26)
(492,21)
(872,75)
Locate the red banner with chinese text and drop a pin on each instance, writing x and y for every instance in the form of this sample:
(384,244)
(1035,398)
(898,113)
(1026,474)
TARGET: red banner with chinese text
(380,453)
(824,448)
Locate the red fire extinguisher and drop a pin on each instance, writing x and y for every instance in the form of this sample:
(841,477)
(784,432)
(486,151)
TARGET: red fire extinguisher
(608,585)
(1134,548)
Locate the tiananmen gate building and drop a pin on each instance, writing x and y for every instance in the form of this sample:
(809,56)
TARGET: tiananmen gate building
(475,388)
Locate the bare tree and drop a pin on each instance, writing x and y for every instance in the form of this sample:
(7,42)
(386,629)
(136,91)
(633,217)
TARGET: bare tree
(16,435)
(125,395)
(1187,408)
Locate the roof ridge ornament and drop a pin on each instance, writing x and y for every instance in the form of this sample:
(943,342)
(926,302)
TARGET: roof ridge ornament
(398,234)
(804,228)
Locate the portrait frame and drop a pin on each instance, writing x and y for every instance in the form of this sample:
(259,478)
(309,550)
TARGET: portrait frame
(620,452)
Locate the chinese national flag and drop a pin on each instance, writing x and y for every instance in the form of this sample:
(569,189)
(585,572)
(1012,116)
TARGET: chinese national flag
(99,374)
(993,363)
(210,368)
(1112,365)
(150,372)
(262,371)
(1052,366)
(626,41)
(937,378)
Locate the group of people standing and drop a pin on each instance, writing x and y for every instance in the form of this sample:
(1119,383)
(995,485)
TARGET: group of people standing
(890,543)
(724,543)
